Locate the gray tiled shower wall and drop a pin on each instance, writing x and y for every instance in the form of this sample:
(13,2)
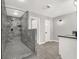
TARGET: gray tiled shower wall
(28,36)
(4,28)
(29,39)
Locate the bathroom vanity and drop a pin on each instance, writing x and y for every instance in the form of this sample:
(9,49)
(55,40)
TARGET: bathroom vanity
(68,46)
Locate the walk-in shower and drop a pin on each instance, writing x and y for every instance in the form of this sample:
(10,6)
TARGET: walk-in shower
(17,40)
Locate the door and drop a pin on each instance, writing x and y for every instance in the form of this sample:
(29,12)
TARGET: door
(47,30)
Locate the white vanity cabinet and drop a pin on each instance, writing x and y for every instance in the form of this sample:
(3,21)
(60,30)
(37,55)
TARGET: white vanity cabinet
(68,47)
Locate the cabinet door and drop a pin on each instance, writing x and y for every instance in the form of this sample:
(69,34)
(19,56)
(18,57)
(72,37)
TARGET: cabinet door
(68,48)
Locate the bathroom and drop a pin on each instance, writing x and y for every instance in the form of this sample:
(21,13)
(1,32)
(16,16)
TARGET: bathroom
(39,29)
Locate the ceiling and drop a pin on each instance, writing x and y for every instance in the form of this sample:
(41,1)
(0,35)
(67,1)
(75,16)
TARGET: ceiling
(57,7)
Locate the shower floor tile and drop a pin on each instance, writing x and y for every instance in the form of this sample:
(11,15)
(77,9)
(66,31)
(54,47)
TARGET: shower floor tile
(16,49)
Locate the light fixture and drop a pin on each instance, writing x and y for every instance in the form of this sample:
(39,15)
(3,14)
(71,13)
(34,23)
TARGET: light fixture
(47,6)
(15,12)
(21,0)
(75,2)
(60,22)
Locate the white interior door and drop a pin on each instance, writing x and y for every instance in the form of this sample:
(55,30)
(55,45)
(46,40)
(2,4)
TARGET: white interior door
(47,30)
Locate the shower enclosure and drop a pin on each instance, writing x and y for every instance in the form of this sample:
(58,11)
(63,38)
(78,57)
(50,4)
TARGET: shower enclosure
(17,40)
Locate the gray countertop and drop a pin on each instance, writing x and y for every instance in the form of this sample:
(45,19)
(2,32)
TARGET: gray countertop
(68,36)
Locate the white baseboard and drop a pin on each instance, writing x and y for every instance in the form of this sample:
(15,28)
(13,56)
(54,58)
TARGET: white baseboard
(53,40)
(40,43)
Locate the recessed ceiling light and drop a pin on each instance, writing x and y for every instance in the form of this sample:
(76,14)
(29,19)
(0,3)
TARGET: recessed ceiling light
(15,13)
(21,0)
(48,6)
(75,2)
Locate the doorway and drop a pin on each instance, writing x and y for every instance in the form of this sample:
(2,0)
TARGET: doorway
(47,30)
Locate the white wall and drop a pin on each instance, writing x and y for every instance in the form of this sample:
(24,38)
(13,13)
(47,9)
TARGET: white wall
(69,24)
(51,29)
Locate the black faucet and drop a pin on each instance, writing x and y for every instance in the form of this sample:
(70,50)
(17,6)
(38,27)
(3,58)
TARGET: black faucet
(74,33)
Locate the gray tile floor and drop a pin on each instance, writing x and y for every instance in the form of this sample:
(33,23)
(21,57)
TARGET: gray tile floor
(33,56)
(49,50)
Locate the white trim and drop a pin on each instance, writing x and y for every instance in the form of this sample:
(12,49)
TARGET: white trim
(54,40)
(40,43)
